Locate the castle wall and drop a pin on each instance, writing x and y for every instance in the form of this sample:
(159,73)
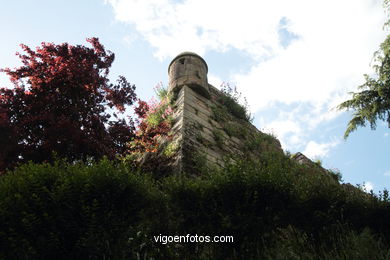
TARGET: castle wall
(206,132)
(204,136)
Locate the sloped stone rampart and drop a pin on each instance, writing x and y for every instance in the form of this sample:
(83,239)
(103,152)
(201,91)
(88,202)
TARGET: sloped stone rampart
(204,135)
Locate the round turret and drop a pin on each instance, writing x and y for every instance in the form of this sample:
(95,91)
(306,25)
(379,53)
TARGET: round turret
(189,69)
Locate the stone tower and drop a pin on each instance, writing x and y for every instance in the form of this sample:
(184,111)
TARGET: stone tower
(207,133)
(188,69)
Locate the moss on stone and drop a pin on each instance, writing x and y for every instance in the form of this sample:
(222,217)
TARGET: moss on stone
(219,138)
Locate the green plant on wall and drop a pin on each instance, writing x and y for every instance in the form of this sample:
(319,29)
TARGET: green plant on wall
(220,113)
(203,140)
(155,121)
(231,100)
(219,138)
(170,149)
(259,141)
(228,106)
(234,129)
(160,110)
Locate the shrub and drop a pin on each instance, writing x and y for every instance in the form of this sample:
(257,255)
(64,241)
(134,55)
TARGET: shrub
(72,211)
(274,208)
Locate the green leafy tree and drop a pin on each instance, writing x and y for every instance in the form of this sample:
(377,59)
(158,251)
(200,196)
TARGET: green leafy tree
(373,100)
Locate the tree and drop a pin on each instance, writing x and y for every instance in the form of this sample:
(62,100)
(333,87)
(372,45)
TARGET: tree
(373,101)
(59,104)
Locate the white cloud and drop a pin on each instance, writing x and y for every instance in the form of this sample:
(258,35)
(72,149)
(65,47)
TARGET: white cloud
(334,46)
(294,126)
(214,80)
(289,132)
(283,128)
(318,150)
(368,186)
(201,25)
(252,26)
(386,134)
(387,173)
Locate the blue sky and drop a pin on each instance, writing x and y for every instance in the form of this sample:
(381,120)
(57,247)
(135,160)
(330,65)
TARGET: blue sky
(293,60)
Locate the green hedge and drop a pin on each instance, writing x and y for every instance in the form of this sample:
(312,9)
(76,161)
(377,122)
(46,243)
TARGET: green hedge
(71,211)
(274,208)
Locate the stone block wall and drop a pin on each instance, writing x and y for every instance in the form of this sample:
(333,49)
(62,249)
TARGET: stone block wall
(204,130)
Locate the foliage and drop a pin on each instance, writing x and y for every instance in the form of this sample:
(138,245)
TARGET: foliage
(231,99)
(318,161)
(219,138)
(292,243)
(219,113)
(155,120)
(372,103)
(261,141)
(336,175)
(58,104)
(274,208)
(72,211)
(170,149)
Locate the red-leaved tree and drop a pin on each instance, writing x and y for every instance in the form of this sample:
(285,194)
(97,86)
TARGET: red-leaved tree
(59,104)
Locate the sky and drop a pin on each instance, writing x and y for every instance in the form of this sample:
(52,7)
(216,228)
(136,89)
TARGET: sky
(294,61)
